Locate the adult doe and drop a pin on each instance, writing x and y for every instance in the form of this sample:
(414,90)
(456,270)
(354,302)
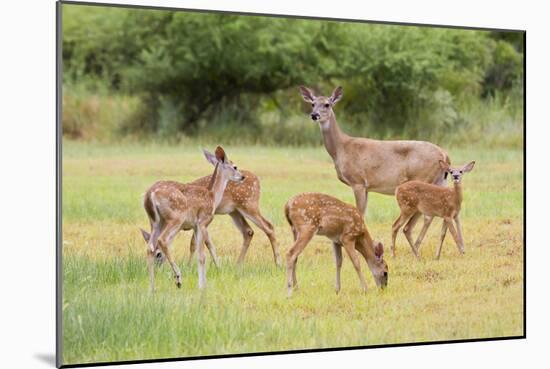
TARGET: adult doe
(433,201)
(368,165)
(173,206)
(314,213)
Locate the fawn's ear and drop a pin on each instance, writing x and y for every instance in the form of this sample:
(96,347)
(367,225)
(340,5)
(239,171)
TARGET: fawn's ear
(468,167)
(444,165)
(220,154)
(307,94)
(146,236)
(378,249)
(210,157)
(336,95)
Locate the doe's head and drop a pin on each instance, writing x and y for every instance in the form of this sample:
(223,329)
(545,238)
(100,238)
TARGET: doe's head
(456,173)
(321,106)
(220,160)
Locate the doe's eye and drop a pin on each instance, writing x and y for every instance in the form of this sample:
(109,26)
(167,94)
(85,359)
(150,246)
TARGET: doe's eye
(460,172)
(327,105)
(312,105)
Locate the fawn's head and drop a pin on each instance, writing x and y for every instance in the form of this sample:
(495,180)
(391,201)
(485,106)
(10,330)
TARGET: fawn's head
(321,105)
(456,173)
(378,265)
(224,166)
(159,256)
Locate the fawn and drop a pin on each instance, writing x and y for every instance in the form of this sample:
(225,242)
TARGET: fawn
(314,213)
(241,201)
(415,198)
(173,206)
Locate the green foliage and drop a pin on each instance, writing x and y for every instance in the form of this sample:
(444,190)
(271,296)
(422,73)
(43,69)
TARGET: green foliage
(506,69)
(209,74)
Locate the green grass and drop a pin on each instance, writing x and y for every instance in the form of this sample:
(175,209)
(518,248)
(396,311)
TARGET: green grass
(108,313)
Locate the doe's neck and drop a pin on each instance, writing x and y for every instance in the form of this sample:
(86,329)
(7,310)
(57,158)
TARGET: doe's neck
(333,137)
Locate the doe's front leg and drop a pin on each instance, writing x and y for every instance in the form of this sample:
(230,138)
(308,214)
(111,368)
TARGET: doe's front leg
(361,198)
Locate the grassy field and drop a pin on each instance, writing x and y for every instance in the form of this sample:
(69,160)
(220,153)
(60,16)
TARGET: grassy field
(109,314)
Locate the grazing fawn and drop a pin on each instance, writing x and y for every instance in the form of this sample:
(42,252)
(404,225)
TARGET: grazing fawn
(242,201)
(172,206)
(314,213)
(368,165)
(416,198)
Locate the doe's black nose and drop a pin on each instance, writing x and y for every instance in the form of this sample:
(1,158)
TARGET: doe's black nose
(314,116)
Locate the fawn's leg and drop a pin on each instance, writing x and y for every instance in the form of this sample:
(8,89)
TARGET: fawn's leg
(201,257)
(427,221)
(459,232)
(408,228)
(451,227)
(350,249)
(209,245)
(266,227)
(192,248)
(151,269)
(441,239)
(337,248)
(304,236)
(245,229)
(402,219)
(165,239)
(211,248)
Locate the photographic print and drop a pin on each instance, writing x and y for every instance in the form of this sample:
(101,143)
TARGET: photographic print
(239,184)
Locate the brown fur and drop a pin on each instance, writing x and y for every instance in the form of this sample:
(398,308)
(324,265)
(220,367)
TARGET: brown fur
(314,213)
(368,165)
(172,206)
(416,197)
(241,201)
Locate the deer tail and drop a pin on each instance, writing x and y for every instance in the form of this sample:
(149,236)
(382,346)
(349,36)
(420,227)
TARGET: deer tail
(287,214)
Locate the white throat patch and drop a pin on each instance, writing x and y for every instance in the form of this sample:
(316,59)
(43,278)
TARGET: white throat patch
(325,125)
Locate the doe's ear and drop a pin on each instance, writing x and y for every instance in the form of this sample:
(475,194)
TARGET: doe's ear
(444,165)
(336,95)
(378,249)
(468,167)
(307,94)
(146,236)
(210,157)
